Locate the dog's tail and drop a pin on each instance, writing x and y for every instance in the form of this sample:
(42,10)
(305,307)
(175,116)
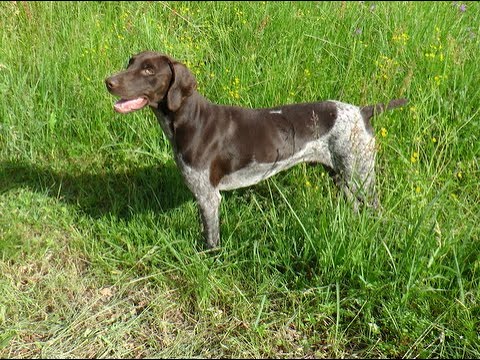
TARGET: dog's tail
(372,110)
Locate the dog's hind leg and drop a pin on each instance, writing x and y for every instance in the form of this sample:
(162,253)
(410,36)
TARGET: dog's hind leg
(355,174)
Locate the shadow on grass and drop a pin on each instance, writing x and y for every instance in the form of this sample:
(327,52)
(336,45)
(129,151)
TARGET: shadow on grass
(100,192)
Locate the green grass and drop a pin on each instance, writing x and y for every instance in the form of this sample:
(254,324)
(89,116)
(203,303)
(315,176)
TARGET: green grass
(100,241)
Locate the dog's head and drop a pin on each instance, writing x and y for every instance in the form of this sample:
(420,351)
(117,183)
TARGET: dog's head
(150,79)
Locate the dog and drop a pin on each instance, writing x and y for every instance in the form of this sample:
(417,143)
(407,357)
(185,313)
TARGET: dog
(218,147)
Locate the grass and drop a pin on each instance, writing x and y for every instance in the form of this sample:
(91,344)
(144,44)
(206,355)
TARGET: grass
(100,251)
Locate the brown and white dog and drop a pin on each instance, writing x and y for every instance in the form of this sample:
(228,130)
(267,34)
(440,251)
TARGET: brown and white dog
(220,147)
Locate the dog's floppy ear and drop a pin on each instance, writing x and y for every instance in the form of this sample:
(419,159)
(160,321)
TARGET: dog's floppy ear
(182,86)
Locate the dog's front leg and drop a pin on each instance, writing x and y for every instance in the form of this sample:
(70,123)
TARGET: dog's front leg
(209,205)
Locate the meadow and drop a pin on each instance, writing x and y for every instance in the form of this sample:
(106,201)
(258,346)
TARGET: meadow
(100,240)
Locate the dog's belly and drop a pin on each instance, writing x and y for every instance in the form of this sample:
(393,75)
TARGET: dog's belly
(314,151)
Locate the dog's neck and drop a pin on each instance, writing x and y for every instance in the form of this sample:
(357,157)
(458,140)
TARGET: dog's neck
(170,121)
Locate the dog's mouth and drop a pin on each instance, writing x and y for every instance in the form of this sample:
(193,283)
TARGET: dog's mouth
(125,106)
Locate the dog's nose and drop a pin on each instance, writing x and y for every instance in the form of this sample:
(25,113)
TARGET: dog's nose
(111,83)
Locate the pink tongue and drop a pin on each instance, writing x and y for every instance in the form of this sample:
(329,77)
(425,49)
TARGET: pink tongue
(126,106)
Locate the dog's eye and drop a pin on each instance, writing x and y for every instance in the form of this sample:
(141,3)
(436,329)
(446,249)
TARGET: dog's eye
(148,71)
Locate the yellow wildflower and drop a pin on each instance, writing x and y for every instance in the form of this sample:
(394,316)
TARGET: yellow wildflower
(413,110)
(439,79)
(414,157)
(401,38)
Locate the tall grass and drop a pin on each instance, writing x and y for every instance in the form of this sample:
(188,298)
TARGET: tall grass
(99,237)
